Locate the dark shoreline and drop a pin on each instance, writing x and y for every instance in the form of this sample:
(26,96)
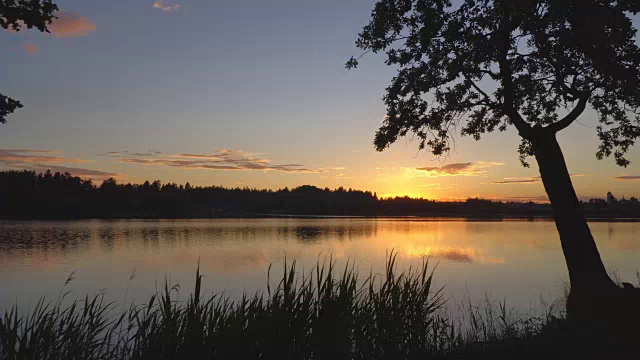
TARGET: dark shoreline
(30,196)
(411,217)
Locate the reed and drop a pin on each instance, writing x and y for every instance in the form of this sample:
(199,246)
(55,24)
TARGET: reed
(325,313)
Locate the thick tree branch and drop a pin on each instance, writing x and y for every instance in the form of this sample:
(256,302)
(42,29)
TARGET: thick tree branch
(524,129)
(572,116)
(477,88)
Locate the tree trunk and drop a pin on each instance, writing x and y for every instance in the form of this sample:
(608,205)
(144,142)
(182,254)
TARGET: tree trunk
(586,270)
(600,312)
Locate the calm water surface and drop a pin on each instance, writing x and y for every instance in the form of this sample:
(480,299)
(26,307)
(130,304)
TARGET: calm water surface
(517,260)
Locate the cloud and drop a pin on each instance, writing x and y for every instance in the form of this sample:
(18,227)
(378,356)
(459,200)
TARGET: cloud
(119,154)
(224,159)
(525,180)
(33,156)
(459,169)
(627,177)
(166,8)
(434,186)
(32,151)
(70,25)
(65,24)
(30,48)
(529,180)
(42,160)
(448,169)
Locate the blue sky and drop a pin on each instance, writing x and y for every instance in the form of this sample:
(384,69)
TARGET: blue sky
(264,79)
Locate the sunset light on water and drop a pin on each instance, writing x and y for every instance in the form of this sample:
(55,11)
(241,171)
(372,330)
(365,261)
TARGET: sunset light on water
(319,179)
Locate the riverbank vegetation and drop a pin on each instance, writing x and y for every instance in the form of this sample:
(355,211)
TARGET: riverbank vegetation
(325,312)
(28,195)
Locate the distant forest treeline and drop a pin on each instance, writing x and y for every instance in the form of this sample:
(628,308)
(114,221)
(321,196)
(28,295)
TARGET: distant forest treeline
(28,195)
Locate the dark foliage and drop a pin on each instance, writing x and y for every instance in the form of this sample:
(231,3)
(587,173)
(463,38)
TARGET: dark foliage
(18,14)
(484,65)
(50,195)
(15,15)
(325,313)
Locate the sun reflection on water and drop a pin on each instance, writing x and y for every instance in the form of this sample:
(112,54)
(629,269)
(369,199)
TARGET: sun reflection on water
(461,254)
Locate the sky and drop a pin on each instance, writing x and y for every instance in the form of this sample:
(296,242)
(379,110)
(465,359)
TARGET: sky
(245,93)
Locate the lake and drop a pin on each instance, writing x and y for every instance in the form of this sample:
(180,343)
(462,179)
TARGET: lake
(517,260)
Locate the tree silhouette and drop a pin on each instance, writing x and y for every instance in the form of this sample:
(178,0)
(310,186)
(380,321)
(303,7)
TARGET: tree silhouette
(15,15)
(486,65)
(55,195)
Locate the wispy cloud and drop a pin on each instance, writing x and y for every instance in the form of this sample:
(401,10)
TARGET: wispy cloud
(166,8)
(69,24)
(522,180)
(627,177)
(528,180)
(65,24)
(459,169)
(224,159)
(120,154)
(42,160)
(34,156)
(433,186)
(30,48)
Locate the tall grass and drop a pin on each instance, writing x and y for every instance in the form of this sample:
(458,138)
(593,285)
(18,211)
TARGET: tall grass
(326,313)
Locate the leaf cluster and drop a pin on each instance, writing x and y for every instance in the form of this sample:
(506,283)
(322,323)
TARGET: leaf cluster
(15,15)
(478,66)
